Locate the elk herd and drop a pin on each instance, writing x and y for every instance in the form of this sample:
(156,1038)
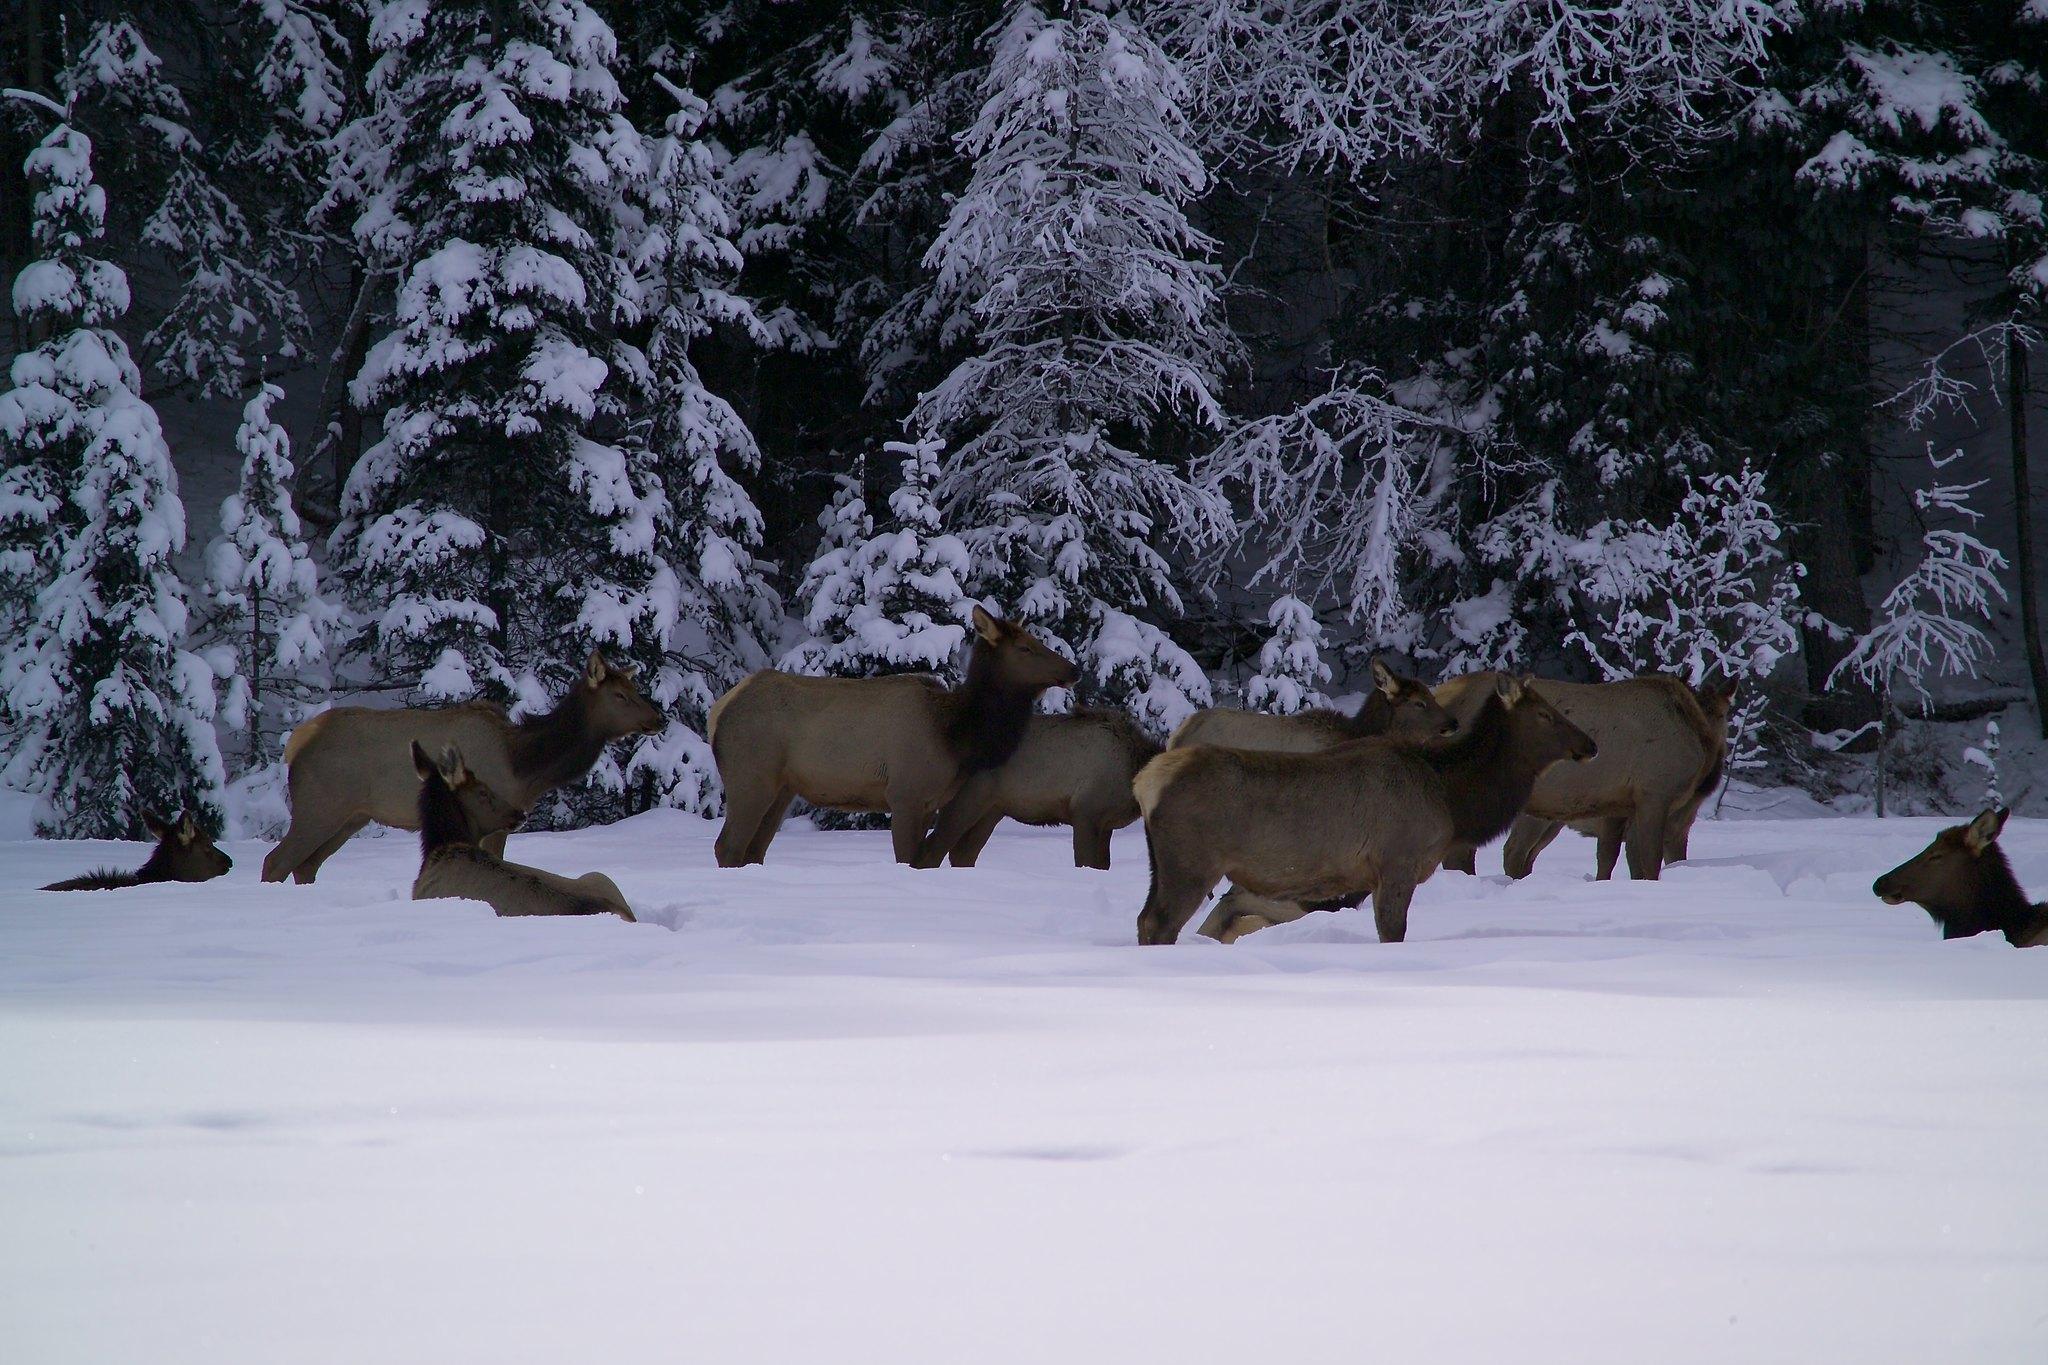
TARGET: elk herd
(1315,811)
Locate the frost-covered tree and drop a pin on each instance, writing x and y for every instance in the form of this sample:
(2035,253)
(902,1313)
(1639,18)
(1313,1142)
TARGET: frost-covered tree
(499,530)
(891,601)
(1710,596)
(710,609)
(1291,668)
(113,715)
(230,304)
(262,591)
(68,296)
(1069,272)
(1926,627)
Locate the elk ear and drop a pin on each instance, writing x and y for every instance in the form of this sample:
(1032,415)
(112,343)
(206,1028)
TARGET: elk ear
(156,824)
(1985,829)
(188,829)
(987,627)
(1384,676)
(594,671)
(452,766)
(421,764)
(1510,689)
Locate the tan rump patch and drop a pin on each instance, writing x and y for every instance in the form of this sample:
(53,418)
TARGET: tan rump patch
(304,734)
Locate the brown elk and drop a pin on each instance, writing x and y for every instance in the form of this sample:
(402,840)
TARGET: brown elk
(349,766)
(903,744)
(1964,883)
(183,853)
(1073,770)
(456,812)
(1661,749)
(1400,707)
(1316,831)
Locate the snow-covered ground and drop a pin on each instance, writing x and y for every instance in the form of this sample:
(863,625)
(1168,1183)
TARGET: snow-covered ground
(830,1110)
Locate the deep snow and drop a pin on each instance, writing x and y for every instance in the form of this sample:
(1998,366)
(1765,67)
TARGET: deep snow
(832,1110)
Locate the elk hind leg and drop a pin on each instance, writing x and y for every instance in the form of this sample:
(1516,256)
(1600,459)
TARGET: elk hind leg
(1611,832)
(1461,857)
(910,819)
(1645,840)
(968,848)
(1091,843)
(1240,912)
(309,866)
(747,805)
(1176,892)
(1528,837)
(958,820)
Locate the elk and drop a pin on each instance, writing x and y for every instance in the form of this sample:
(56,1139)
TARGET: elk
(903,744)
(1073,770)
(1661,750)
(1319,831)
(1396,706)
(183,853)
(456,813)
(348,766)
(1964,883)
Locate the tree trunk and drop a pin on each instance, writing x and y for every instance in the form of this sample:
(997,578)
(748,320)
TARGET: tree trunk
(255,716)
(2023,503)
(1884,742)
(330,443)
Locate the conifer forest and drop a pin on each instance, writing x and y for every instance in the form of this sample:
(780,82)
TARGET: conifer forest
(414,350)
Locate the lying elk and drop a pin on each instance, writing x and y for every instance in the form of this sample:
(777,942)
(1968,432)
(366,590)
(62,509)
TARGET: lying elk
(1964,883)
(1073,770)
(184,853)
(903,744)
(456,813)
(348,766)
(1396,706)
(1662,746)
(1321,831)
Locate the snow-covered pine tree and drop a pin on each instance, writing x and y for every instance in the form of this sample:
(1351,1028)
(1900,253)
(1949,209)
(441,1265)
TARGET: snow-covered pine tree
(66,298)
(230,305)
(1926,625)
(496,533)
(113,714)
(262,591)
(1070,271)
(893,601)
(711,608)
(1291,668)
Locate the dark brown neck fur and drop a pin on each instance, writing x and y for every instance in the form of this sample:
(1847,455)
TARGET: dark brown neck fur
(1373,717)
(988,717)
(559,747)
(1487,776)
(442,823)
(1994,902)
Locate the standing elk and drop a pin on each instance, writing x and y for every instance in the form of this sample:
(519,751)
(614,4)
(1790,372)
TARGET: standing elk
(1398,707)
(183,853)
(1073,770)
(1964,883)
(456,812)
(1317,831)
(349,766)
(903,744)
(1661,750)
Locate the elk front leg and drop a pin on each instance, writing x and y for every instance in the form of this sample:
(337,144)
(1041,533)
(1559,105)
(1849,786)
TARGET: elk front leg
(1645,841)
(1528,837)
(1462,858)
(1390,907)
(1612,831)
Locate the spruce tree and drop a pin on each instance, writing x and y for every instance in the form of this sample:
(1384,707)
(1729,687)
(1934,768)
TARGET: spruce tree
(1069,269)
(499,530)
(262,591)
(1291,668)
(113,715)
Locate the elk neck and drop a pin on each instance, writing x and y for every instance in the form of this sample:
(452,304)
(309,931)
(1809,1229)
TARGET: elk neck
(442,824)
(554,749)
(988,715)
(1486,777)
(1373,716)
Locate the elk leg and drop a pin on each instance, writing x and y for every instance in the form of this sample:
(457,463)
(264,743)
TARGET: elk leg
(1678,833)
(771,824)
(1645,841)
(970,845)
(1240,912)
(299,844)
(310,868)
(1390,908)
(908,824)
(494,842)
(1462,858)
(1528,837)
(1611,832)
(747,799)
(1091,844)
(957,819)
(1175,893)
